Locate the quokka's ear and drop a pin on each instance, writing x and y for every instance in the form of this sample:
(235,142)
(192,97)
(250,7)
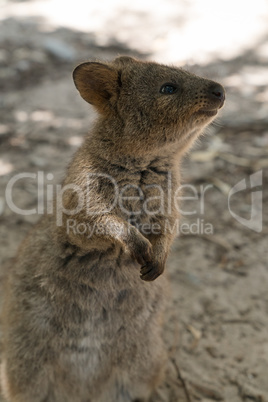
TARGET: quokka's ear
(97,84)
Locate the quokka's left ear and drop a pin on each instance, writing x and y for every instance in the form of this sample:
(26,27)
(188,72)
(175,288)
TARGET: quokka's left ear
(97,84)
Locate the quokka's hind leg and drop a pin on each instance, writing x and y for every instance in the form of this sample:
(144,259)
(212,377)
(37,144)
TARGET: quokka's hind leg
(29,391)
(143,392)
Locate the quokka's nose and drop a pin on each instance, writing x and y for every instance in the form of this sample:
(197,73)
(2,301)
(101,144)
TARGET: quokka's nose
(217,93)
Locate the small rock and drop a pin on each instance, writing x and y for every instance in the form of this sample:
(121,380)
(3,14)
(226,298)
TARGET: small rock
(59,49)
(4,131)
(209,391)
(261,141)
(250,392)
(7,73)
(38,57)
(21,53)
(213,351)
(23,65)
(37,161)
(3,57)
(239,358)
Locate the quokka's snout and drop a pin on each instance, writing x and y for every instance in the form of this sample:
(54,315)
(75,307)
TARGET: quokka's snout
(212,97)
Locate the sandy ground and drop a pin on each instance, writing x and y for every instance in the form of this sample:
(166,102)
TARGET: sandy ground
(217,326)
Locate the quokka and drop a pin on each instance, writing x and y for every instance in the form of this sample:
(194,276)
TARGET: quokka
(82,316)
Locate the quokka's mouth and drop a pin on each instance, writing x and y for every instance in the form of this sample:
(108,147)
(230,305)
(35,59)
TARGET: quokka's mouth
(209,113)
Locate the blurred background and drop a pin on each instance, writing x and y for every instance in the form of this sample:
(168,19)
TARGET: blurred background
(217,329)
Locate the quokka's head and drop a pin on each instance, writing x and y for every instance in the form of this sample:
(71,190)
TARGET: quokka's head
(152,101)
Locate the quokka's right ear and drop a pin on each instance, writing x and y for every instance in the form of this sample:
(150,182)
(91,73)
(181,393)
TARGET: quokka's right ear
(97,84)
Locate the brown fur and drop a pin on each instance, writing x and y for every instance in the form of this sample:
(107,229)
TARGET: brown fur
(80,324)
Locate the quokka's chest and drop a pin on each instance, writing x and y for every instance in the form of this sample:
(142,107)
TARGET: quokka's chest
(146,196)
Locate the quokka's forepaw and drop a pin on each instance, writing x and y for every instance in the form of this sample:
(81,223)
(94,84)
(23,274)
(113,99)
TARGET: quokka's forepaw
(151,271)
(139,247)
(142,252)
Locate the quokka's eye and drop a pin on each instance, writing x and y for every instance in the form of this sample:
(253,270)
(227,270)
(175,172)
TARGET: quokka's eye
(168,89)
